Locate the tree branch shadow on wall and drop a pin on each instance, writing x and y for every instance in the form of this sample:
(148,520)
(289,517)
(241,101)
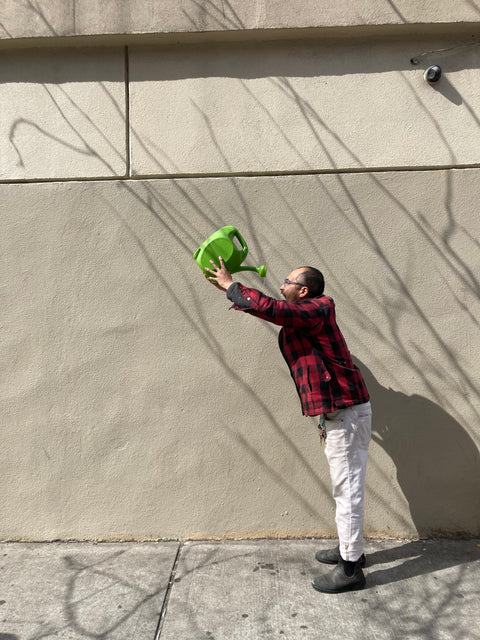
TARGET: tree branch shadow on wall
(173,220)
(410,406)
(437,462)
(37,14)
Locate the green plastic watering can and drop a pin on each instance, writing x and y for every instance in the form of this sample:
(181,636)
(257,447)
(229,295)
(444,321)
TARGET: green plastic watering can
(222,243)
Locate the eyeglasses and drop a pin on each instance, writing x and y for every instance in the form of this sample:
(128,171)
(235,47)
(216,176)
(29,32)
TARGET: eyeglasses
(287,281)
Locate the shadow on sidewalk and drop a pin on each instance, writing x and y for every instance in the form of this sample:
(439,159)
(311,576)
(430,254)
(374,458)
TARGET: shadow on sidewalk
(420,558)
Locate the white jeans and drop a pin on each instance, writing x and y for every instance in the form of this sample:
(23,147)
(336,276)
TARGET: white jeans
(348,433)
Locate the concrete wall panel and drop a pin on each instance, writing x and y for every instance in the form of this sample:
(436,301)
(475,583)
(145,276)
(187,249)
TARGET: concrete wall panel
(43,18)
(63,114)
(134,403)
(52,18)
(297,107)
(214,15)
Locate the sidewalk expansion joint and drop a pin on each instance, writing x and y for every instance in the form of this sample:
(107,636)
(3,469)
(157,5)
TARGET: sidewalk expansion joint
(163,611)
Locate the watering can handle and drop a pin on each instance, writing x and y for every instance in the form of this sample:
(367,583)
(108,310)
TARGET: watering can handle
(238,235)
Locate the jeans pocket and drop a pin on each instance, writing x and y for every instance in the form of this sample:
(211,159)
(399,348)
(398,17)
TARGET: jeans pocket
(362,426)
(334,416)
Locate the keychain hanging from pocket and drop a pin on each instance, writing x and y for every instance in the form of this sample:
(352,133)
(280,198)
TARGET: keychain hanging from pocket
(322,429)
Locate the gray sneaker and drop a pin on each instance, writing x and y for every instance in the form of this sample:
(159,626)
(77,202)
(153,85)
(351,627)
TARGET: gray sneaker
(332,556)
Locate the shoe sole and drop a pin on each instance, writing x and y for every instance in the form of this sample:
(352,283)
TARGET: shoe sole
(353,587)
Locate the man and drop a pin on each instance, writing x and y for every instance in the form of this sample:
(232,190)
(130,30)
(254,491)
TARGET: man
(330,386)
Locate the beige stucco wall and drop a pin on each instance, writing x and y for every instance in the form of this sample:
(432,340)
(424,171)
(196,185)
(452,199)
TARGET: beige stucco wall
(56,18)
(133,402)
(223,108)
(63,114)
(301,106)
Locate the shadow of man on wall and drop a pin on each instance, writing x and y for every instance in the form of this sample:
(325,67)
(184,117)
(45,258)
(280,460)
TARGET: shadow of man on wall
(438,463)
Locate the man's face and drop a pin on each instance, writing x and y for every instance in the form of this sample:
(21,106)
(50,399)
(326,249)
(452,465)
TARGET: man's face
(294,292)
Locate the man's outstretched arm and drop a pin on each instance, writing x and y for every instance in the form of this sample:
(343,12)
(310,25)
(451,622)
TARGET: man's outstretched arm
(307,313)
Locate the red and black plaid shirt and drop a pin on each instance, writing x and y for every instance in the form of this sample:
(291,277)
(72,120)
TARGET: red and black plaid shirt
(313,347)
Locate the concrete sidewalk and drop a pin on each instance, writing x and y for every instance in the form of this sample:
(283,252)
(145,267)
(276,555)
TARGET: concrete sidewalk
(235,591)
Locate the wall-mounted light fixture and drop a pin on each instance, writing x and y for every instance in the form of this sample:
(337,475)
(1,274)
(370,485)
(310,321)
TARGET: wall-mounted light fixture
(433,74)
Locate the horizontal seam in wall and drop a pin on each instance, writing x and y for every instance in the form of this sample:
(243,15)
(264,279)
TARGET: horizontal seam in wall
(347,32)
(242,174)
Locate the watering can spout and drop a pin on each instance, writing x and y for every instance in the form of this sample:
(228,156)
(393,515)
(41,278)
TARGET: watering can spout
(262,270)
(228,243)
